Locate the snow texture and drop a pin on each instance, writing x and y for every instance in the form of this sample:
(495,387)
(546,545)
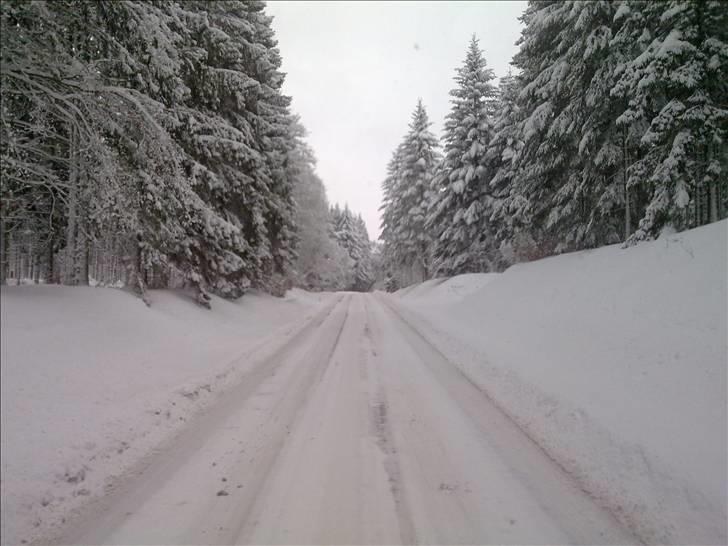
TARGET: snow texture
(614,360)
(92,380)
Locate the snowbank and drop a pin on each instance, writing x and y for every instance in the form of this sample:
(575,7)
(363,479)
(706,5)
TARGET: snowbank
(92,380)
(614,360)
(446,290)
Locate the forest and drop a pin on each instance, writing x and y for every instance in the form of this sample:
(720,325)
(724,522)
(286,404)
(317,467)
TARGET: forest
(612,129)
(149,144)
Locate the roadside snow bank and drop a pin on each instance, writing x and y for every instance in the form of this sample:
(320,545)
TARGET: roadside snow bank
(446,290)
(614,360)
(92,380)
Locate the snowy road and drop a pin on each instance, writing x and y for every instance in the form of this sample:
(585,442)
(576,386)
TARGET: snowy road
(356,432)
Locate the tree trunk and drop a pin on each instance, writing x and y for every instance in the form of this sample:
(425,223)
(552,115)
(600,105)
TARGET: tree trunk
(85,250)
(81,254)
(135,275)
(21,261)
(69,261)
(50,271)
(203,298)
(31,261)
(3,252)
(36,269)
(625,180)
(713,196)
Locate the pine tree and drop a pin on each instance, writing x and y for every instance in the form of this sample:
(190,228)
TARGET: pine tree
(596,179)
(544,160)
(363,272)
(567,172)
(500,197)
(351,234)
(406,196)
(677,87)
(275,137)
(461,233)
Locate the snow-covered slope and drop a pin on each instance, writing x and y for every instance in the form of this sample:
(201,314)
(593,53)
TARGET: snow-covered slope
(446,290)
(614,360)
(92,380)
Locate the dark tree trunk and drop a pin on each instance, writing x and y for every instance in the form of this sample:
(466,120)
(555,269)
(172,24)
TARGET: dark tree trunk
(3,252)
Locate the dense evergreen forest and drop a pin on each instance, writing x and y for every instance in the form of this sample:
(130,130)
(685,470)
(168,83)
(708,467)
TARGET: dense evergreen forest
(613,129)
(148,144)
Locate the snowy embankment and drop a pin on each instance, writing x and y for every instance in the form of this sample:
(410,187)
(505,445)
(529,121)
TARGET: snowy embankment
(614,361)
(92,380)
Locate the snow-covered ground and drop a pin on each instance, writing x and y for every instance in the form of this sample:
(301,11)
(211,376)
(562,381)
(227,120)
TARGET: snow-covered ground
(92,380)
(354,432)
(614,360)
(577,399)
(446,289)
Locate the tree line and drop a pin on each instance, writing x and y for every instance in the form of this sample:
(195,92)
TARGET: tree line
(613,129)
(149,144)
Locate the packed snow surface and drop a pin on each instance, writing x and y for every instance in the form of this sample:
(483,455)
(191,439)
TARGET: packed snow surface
(615,361)
(92,379)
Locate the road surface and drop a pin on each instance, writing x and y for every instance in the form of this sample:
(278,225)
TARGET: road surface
(357,431)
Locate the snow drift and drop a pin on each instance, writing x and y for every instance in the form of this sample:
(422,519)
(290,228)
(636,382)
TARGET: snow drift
(92,380)
(614,361)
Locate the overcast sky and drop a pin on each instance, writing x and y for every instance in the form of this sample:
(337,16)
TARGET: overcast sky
(356,69)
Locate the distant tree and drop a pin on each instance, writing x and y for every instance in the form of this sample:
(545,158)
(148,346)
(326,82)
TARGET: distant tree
(351,234)
(407,243)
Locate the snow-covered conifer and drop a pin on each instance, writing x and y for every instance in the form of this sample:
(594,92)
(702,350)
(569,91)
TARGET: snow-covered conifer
(676,88)
(407,243)
(460,232)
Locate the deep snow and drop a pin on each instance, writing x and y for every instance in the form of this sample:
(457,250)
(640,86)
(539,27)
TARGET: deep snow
(612,360)
(92,380)
(615,361)
(355,432)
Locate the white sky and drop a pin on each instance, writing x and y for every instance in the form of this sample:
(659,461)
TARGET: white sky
(356,69)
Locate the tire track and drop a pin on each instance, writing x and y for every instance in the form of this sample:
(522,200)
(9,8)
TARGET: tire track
(382,432)
(505,434)
(114,514)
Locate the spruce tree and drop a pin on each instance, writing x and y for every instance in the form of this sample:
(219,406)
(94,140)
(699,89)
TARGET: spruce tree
(407,193)
(544,160)
(364,270)
(351,234)
(500,197)
(568,167)
(677,87)
(460,233)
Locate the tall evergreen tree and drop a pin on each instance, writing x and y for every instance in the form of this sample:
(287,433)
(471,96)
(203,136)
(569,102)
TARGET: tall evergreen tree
(500,198)
(407,193)
(677,86)
(364,274)
(350,232)
(461,234)
(568,166)
(544,159)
